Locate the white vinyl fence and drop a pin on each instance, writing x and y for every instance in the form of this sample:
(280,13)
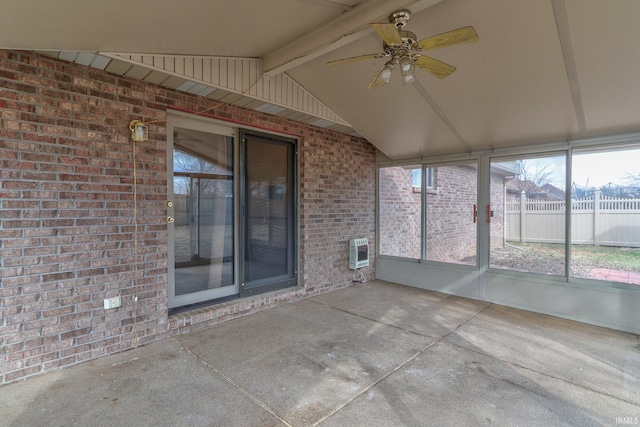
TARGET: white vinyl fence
(598,220)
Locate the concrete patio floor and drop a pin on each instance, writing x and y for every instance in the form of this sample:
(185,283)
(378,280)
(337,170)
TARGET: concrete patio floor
(375,354)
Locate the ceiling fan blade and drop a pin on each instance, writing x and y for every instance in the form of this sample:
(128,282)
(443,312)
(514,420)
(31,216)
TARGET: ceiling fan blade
(461,35)
(388,32)
(435,67)
(356,58)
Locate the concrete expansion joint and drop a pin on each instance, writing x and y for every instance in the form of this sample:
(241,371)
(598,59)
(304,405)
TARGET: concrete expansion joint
(401,365)
(554,377)
(233,383)
(443,336)
(405,329)
(368,318)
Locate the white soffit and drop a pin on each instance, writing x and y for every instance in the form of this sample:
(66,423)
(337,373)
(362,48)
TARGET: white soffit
(240,76)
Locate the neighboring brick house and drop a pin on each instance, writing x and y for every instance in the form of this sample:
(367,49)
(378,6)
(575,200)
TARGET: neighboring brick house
(451,194)
(67,212)
(516,183)
(451,231)
(516,187)
(554,193)
(399,217)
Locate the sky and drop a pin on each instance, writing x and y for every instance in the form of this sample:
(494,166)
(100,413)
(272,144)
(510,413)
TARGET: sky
(604,168)
(591,169)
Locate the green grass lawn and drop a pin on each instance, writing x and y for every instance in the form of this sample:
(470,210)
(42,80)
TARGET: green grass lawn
(549,258)
(607,257)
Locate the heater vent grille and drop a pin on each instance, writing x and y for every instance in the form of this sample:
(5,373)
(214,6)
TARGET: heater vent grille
(358,253)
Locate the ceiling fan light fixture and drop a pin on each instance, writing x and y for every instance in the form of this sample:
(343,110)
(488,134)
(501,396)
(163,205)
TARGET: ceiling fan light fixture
(408,78)
(384,75)
(407,67)
(386,71)
(406,64)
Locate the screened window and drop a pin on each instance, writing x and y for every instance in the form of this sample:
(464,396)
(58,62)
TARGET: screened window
(605,215)
(531,202)
(451,234)
(400,211)
(527,214)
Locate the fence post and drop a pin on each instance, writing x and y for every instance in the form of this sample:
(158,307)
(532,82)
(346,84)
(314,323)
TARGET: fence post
(523,206)
(596,218)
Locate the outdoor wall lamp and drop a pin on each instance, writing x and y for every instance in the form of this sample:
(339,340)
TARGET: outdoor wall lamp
(139,131)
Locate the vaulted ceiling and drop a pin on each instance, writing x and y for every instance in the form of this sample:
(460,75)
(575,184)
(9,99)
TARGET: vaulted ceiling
(543,70)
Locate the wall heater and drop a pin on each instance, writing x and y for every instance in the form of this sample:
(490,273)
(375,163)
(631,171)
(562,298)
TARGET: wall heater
(358,253)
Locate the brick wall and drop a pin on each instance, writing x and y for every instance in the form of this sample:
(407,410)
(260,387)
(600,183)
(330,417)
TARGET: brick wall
(451,232)
(451,235)
(400,213)
(338,196)
(67,230)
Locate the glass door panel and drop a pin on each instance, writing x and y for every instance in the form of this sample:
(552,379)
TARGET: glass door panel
(451,228)
(528,205)
(269,211)
(203,233)
(400,216)
(203,217)
(605,215)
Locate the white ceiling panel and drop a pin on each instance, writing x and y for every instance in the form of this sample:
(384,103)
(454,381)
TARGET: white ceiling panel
(200,27)
(511,86)
(389,116)
(606,40)
(543,70)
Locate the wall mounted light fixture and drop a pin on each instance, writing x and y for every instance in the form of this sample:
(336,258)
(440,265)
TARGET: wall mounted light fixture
(139,131)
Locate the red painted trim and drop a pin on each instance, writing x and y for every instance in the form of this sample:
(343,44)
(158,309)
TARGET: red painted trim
(238,122)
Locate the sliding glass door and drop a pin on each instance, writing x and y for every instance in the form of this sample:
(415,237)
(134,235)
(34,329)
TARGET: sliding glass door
(231,212)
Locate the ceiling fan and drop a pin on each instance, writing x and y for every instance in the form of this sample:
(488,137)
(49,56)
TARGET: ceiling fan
(405,52)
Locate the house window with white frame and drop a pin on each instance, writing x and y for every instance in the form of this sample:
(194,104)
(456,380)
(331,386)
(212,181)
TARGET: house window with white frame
(416,176)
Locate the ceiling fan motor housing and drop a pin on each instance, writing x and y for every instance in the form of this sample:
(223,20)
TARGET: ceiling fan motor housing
(409,39)
(408,47)
(400,18)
